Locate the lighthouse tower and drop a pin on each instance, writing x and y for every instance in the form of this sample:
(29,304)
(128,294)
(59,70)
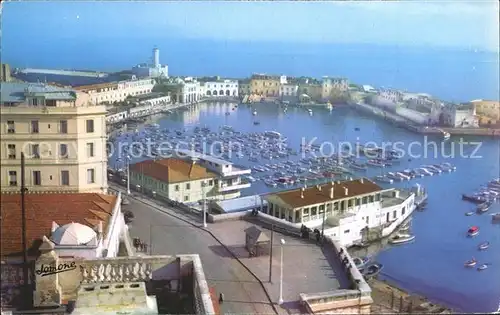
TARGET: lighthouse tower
(156,58)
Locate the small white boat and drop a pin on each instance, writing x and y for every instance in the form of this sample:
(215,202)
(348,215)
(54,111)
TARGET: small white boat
(484,246)
(482,267)
(254,113)
(401,239)
(406,226)
(383,179)
(469,213)
(470,263)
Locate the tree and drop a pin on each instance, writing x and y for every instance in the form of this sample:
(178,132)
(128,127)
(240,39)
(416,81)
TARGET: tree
(338,96)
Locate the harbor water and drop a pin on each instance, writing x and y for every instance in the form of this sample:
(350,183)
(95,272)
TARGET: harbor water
(433,264)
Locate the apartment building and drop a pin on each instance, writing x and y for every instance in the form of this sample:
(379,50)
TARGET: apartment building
(114,92)
(489,111)
(218,88)
(61,133)
(265,85)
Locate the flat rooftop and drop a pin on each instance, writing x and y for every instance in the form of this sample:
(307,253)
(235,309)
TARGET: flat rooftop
(201,156)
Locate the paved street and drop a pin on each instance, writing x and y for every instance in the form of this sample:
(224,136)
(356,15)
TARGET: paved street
(170,236)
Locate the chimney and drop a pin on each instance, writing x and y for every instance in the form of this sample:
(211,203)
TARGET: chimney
(361,180)
(302,193)
(346,191)
(319,187)
(331,193)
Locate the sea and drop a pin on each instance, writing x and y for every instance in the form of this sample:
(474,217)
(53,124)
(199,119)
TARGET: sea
(433,264)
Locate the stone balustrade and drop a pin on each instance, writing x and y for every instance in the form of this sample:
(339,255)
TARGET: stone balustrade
(116,270)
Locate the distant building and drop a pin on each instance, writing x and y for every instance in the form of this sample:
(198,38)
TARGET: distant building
(393,96)
(220,88)
(331,85)
(187,90)
(5,73)
(61,133)
(244,87)
(114,92)
(288,89)
(309,89)
(460,115)
(153,70)
(265,85)
(490,110)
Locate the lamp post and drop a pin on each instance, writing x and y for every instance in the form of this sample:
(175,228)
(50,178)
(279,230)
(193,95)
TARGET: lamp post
(203,184)
(128,174)
(280,301)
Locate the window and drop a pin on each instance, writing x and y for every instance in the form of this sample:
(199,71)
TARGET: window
(394,214)
(188,186)
(90,176)
(63,150)
(403,211)
(11,126)
(186,198)
(65,178)
(12,178)
(346,231)
(365,200)
(176,187)
(210,183)
(358,201)
(37,178)
(11,151)
(35,151)
(34,126)
(90,125)
(63,126)
(90,149)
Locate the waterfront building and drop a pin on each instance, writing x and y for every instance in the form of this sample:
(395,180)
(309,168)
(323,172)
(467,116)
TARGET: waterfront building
(348,211)
(488,110)
(5,72)
(460,115)
(369,89)
(62,134)
(309,89)
(289,90)
(115,92)
(389,95)
(182,90)
(229,182)
(153,69)
(333,85)
(265,85)
(244,87)
(221,88)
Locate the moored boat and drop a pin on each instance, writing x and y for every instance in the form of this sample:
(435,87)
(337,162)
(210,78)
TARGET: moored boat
(372,270)
(482,267)
(485,206)
(495,216)
(469,213)
(401,239)
(473,231)
(474,198)
(361,262)
(470,263)
(484,245)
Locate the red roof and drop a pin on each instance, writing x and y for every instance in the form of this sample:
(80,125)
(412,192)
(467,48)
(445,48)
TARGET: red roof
(42,210)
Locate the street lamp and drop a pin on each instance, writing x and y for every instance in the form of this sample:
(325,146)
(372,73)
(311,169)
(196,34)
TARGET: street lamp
(203,184)
(280,301)
(128,174)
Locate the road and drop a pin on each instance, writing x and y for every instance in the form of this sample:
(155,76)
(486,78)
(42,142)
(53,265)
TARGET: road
(168,235)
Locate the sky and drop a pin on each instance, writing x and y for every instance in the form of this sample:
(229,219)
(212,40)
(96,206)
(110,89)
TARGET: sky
(451,24)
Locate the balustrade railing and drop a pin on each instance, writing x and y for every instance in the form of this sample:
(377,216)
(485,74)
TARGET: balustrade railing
(103,271)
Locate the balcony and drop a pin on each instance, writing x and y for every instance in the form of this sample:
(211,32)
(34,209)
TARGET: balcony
(241,185)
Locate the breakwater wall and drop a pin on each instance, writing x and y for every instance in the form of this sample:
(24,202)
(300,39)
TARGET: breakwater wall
(426,130)
(65,72)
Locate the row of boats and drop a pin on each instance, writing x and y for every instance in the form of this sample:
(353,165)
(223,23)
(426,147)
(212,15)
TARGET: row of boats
(419,172)
(488,192)
(472,232)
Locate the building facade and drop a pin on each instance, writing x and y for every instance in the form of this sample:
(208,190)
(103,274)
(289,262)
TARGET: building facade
(244,87)
(460,115)
(265,85)
(62,137)
(490,110)
(344,209)
(173,179)
(330,86)
(221,88)
(114,92)
(289,89)
(153,69)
